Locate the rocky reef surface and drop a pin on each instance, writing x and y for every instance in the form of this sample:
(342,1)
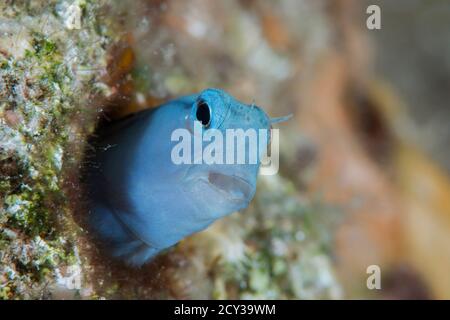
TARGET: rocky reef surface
(65,64)
(50,74)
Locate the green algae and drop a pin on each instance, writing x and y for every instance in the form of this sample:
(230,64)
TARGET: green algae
(41,93)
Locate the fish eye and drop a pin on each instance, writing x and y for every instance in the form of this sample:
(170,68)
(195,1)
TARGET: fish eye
(203,113)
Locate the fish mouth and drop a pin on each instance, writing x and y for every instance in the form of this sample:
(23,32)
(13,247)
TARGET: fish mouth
(235,188)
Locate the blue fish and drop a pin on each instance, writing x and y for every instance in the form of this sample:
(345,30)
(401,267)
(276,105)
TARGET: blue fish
(142,202)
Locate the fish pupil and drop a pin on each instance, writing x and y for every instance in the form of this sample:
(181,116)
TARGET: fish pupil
(203,113)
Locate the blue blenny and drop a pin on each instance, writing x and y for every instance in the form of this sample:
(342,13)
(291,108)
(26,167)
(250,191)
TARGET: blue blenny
(141,202)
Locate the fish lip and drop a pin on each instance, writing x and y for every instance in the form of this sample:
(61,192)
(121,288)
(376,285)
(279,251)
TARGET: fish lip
(235,187)
(222,183)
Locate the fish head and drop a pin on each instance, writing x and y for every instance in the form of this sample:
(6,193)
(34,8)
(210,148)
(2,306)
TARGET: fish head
(234,137)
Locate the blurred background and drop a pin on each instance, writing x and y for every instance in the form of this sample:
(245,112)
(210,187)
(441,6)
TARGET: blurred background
(364,168)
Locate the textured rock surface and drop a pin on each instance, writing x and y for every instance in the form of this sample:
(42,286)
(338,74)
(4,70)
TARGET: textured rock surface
(54,79)
(49,75)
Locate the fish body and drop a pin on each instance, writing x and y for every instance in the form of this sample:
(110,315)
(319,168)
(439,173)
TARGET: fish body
(141,202)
